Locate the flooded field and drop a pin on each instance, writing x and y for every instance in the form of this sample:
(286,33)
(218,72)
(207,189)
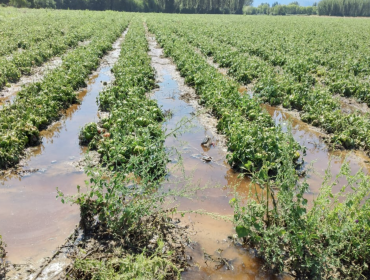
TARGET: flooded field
(34,222)
(209,235)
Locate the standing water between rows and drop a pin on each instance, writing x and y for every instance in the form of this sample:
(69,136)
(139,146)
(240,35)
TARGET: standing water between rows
(208,235)
(32,221)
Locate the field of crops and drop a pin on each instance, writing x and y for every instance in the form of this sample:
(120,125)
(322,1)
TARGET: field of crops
(239,71)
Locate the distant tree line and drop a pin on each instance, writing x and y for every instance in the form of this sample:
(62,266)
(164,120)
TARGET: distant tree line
(277,9)
(348,8)
(167,6)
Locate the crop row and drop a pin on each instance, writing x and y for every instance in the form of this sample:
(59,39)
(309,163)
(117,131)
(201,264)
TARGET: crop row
(252,136)
(47,40)
(131,136)
(343,74)
(337,58)
(338,53)
(39,104)
(315,103)
(20,31)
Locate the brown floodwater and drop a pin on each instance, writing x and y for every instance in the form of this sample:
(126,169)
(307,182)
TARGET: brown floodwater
(33,222)
(319,157)
(211,235)
(317,151)
(208,235)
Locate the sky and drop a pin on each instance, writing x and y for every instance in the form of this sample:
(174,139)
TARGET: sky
(301,2)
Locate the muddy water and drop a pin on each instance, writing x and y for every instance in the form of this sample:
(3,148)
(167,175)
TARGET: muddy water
(32,221)
(208,235)
(318,155)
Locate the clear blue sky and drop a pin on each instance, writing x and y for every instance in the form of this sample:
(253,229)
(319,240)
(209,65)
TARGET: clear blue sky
(301,2)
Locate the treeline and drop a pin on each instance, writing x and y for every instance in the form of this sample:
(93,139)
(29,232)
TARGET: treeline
(277,9)
(348,8)
(167,6)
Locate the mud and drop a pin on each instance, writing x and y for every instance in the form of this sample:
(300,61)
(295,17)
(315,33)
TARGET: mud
(320,155)
(350,105)
(211,62)
(210,237)
(32,221)
(7,94)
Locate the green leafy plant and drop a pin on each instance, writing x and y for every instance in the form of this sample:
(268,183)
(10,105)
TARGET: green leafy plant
(328,241)
(127,267)
(39,104)
(2,257)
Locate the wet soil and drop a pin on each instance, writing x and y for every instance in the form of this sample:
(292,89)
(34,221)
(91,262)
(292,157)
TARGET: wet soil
(7,94)
(212,236)
(350,105)
(32,221)
(319,155)
(213,254)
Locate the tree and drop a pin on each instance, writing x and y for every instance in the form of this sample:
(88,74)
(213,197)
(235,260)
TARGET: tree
(20,3)
(44,4)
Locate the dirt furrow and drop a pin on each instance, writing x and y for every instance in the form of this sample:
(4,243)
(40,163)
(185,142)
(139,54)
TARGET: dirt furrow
(8,93)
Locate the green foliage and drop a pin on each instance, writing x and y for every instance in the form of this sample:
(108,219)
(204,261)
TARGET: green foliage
(131,145)
(44,4)
(126,268)
(348,8)
(19,3)
(2,256)
(36,37)
(252,135)
(167,6)
(328,241)
(39,104)
(291,9)
(286,73)
(2,248)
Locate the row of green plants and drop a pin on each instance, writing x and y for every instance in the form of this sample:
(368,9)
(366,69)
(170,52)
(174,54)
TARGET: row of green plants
(252,135)
(20,29)
(37,105)
(315,103)
(134,120)
(50,36)
(332,50)
(324,239)
(337,59)
(122,194)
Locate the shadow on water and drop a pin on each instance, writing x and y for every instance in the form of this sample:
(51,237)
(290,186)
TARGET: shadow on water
(32,221)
